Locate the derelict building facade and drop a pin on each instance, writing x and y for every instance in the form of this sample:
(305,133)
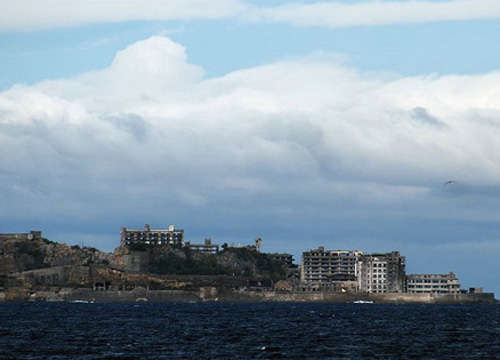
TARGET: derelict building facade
(352,269)
(148,236)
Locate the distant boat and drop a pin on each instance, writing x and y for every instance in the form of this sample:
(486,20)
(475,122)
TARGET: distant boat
(83,301)
(363,302)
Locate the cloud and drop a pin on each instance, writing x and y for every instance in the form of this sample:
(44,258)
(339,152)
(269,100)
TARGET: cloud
(149,133)
(32,15)
(420,114)
(338,14)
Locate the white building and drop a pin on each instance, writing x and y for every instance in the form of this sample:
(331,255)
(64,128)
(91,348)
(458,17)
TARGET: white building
(432,283)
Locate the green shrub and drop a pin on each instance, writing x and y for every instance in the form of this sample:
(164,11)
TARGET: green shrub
(173,264)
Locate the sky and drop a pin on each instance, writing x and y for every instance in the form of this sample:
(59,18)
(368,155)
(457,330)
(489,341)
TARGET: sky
(307,123)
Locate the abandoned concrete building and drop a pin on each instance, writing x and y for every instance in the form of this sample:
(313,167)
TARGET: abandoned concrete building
(257,247)
(320,267)
(348,270)
(54,276)
(207,247)
(32,235)
(432,283)
(381,273)
(148,236)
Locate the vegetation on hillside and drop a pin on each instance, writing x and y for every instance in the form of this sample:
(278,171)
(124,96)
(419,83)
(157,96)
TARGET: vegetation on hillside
(23,255)
(186,264)
(231,261)
(29,255)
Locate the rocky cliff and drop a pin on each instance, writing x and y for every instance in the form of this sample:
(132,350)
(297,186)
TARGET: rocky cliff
(18,255)
(236,262)
(40,263)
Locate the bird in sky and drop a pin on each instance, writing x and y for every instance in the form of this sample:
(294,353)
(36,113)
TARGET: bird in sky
(449,182)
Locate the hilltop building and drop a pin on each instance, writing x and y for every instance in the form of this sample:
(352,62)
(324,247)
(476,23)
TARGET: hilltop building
(32,235)
(148,236)
(258,243)
(432,283)
(207,247)
(476,290)
(256,247)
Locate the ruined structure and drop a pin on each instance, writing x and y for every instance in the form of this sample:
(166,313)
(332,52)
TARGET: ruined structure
(32,235)
(432,284)
(162,267)
(382,273)
(329,270)
(256,247)
(320,266)
(207,247)
(258,243)
(148,236)
(347,270)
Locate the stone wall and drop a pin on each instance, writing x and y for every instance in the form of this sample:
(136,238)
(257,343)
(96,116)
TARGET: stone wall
(137,261)
(53,276)
(136,295)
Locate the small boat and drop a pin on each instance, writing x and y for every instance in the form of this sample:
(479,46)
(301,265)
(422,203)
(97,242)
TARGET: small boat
(363,302)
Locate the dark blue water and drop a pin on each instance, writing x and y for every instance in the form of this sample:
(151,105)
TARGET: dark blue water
(248,331)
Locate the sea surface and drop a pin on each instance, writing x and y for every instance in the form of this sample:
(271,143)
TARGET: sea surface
(248,331)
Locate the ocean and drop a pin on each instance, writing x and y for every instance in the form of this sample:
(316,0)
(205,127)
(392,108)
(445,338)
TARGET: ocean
(248,331)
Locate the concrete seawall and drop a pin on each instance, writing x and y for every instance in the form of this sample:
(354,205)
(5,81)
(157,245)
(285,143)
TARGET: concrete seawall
(212,294)
(134,296)
(271,296)
(276,296)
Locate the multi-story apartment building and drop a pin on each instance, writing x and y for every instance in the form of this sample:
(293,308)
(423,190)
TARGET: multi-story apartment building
(322,267)
(373,273)
(432,283)
(381,273)
(148,236)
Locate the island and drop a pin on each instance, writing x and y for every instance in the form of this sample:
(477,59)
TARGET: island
(158,265)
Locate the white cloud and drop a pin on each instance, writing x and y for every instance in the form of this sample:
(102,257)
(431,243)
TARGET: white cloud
(149,132)
(338,14)
(34,14)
